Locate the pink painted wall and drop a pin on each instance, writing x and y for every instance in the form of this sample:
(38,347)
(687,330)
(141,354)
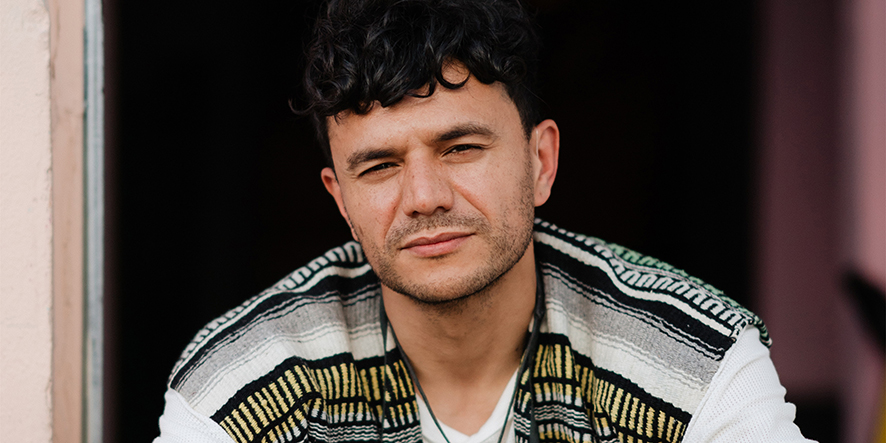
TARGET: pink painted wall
(822,197)
(25,223)
(864,134)
(863,192)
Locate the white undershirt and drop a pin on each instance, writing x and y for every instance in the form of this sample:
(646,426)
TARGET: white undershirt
(488,433)
(744,403)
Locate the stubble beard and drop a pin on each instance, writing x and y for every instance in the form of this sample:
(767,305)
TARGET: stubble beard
(507,245)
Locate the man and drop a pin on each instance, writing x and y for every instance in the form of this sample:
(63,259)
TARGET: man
(457,317)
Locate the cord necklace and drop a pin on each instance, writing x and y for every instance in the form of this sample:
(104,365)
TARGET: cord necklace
(538,314)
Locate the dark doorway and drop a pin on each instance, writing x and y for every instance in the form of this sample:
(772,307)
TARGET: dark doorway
(215,183)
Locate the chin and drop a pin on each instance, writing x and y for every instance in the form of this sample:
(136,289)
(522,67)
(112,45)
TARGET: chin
(451,290)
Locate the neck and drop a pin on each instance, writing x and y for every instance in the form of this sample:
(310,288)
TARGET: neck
(464,355)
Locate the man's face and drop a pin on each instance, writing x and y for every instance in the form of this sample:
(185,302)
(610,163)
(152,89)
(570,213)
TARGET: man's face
(440,191)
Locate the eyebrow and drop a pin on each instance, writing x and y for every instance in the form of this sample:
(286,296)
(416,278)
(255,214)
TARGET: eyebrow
(367,155)
(458,131)
(463,130)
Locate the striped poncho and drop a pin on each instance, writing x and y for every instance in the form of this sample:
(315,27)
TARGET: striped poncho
(627,349)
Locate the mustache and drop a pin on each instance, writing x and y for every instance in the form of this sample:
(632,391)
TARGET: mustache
(398,235)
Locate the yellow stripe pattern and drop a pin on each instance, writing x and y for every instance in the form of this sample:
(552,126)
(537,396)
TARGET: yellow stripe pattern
(562,384)
(572,403)
(283,409)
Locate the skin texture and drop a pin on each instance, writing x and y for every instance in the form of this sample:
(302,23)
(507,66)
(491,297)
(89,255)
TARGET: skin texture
(440,192)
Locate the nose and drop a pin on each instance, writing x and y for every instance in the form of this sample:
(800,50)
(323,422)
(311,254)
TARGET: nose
(425,189)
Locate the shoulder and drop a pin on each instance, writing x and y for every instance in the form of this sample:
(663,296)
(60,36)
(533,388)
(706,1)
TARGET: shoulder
(311,314)
(597,267)
(637,321)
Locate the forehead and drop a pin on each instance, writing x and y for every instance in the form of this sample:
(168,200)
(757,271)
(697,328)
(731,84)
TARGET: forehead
(421,119)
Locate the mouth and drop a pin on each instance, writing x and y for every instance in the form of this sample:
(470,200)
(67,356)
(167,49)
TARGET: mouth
(436,245)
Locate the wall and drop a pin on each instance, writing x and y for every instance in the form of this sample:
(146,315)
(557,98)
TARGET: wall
(66,86)
(863,193)
(41,220)
(822,202)
(25,223)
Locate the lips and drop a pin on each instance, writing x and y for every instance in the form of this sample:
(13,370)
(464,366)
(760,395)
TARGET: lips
(436,245)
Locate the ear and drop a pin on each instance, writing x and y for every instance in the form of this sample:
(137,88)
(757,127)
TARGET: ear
(330,181)
(546,142)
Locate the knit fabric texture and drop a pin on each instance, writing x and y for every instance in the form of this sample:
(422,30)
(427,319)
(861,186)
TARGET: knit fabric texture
(627,349)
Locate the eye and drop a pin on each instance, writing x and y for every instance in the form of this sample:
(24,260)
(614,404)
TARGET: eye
(457,149)
(377,168)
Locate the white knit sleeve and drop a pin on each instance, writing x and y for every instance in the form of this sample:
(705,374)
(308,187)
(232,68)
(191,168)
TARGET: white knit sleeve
(182,424)
(745,401)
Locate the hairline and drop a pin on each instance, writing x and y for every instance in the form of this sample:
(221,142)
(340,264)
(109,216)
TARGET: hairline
(505,90)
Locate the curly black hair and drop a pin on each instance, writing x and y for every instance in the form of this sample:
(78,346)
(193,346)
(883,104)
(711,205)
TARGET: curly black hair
(368,51)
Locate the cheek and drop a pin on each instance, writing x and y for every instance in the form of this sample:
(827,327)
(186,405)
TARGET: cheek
(492,187)
(370,210)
